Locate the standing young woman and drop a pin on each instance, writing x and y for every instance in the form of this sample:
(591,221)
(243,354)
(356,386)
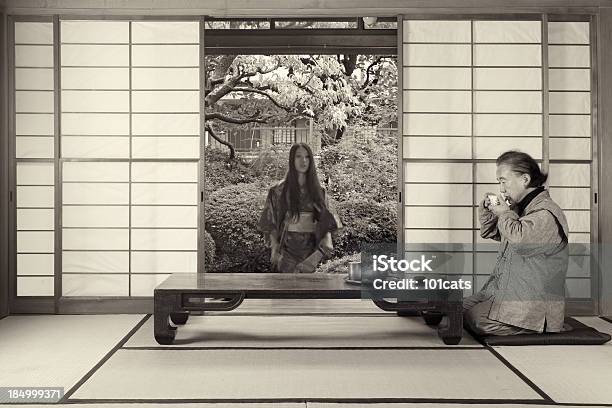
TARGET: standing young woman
(296,219)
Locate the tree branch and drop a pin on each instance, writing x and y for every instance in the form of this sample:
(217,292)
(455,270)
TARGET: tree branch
(228,119)
(211,132)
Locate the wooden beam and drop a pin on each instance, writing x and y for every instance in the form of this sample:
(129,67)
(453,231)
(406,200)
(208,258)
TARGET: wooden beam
(269,8)
(291,41)
(4,171)
(605,158)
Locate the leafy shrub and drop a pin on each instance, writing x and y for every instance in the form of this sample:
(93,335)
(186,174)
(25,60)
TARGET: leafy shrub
(209,247)
(270,164)
(338,265)
(366,169)
(364,221)
(221,172)
(232,214)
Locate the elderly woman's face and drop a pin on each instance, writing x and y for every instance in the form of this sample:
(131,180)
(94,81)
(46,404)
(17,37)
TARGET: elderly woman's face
(512,184)
(302,160)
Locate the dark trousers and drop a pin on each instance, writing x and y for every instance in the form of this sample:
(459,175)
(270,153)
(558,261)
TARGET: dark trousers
(476,310)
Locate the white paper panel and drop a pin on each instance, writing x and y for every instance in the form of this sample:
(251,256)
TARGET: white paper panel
(578,288)
(437,31)
(438,236)
(166,101)
(165,239)
(165,55)
(34,147)
(493,147)
(507,32)
(35,264)
(508,125)
(570,125)
(435,124)
(34,56)
(84,239)
(437,101)
(508,101)
(35,286)
(438,172)
(95,31)
(166,78)
(437,217)
(438,194)
(166,124)
(164,262)
(96,124)
(34,101)
(95,78)
(572,198)
(36,79)
(437,148)
(437,78)
(507,55)
(95,285)
(95,147)
(95,101)
(570,149)
(35,174)
(35,219)
(569,174)
(95,193)
(578,221)
(569,56)
(34,124)
(575,237)
(570,79)
(34,196)
(167,217)
(84,171)
(95,262)
(166,147)
(165,194)
(95,216)
(35,241)
(446,263)
(570,102)
(508,78)
(96,55)
(437,54)
(579,266)
(568,33)
(164,172)
(485,173)
(143,285)
(33,33)
(165,32)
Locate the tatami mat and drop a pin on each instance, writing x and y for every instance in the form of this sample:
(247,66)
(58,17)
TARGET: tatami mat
(287,374)
(300,331)
(56,351)
(436,405)
(568,374)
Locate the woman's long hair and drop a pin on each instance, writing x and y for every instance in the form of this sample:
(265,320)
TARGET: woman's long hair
(291,189)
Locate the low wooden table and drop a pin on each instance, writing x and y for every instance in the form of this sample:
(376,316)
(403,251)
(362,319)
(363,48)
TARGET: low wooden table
(182,293)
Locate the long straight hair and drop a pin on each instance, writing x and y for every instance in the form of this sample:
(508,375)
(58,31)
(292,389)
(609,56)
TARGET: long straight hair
(291,189)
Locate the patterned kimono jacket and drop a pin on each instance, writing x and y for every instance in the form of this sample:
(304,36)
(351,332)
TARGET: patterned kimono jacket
(528,282)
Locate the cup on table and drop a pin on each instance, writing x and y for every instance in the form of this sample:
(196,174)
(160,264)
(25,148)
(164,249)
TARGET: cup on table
(354,271)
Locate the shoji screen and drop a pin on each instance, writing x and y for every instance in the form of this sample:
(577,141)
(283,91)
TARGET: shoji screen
(472,90)
(570,143)
(34,154)
(130,152)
